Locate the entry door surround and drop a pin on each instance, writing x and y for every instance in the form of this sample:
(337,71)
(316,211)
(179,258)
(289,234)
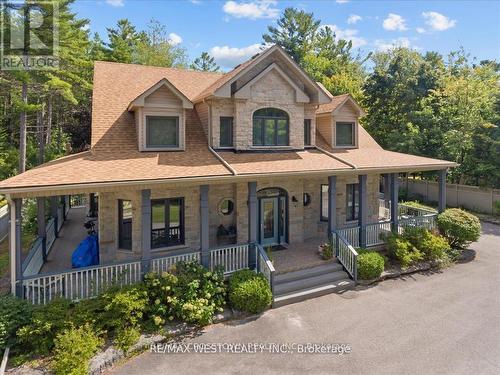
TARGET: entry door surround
(273,216)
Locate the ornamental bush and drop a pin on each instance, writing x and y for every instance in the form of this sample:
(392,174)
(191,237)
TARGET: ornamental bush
(74,347)
(403,250)
(370,264)
(125,307)
(126,337)
(14,313)
(249,291)
(459,227)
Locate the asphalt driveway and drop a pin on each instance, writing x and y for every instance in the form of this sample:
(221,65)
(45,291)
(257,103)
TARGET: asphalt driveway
(438,323)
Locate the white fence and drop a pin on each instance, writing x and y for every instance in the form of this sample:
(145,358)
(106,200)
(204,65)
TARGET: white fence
(351,235)
(375,233)
(164,264)
(232,258)
(466,196)
(346,254)
(265,265)
(80,284)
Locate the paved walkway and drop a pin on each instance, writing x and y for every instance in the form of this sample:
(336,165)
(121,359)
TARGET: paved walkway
(71,234)
(438,323)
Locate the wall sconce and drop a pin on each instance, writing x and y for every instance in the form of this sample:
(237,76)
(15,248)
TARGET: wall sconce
(294,200)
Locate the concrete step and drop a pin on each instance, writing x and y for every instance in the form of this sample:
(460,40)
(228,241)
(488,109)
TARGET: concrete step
(338,286)
(307,272)
(309,282)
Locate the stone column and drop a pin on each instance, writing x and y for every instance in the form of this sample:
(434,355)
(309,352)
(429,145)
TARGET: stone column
(332,205)
(146,230)
(204,226)
(394,202)
(363,209)
(16,269)
(253,222)
(41,225)
(442,190)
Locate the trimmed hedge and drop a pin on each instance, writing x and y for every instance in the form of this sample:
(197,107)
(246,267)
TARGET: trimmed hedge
(370,264)
(459,227)
(249,291)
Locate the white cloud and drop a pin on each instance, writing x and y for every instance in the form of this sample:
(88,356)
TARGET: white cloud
(384,45)
(229,57)
(438,21)
(341,1)
(252,9)
(353,18)
(115,3)
(394,22)
(174,39)
(195,2)
(420,30)
(348,34)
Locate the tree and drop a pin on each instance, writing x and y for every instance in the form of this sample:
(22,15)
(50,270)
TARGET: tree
(122,41)
(295,33)
(205,63)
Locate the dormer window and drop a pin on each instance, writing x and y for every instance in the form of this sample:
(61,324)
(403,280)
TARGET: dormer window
(270,127)
(162,132)
(344,134)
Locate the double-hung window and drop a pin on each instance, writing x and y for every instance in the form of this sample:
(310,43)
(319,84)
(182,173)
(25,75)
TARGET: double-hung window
(162,132)
(344,134)
(324,202)
(125,224)
(270,127)
(226,132)
(167,222)
(352,202)
(307,132)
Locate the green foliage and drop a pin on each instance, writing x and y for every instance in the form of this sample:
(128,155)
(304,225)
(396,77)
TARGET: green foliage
(46,323)
(160,289)
(205,63)
(403,250)
(370,264)
(126,337)
(249,291)
(125,307)
(327,251)
(459,227)
(74,347)
(497,208)
(14,313)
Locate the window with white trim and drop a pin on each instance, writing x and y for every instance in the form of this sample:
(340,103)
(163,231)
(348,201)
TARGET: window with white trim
(344,134)
(162,132)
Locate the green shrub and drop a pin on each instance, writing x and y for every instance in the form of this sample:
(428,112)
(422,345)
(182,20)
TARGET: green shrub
(434,247)
(74,347)
(126,337)
(125,307)
(14,313)
(160,289)
(90,311)
(459,227)
(402,249)
(370,265)
(327,251)
(47,322)
(497,208)
(249,291)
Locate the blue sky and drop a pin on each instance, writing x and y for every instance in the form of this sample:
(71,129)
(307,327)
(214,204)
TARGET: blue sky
(232,30)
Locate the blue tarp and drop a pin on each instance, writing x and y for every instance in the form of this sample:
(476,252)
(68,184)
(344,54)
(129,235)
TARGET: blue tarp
(87,253)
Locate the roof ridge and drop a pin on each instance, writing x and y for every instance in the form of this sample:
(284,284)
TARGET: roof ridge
(160,67)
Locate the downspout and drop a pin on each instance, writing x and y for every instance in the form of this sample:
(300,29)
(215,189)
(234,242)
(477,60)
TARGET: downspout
(209,131)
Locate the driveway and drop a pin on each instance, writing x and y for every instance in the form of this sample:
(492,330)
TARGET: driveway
(438,323)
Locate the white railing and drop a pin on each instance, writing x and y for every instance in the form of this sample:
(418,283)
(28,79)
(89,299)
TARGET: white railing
(409,210)
(34,261)
(80,283)
(384,209)
(50,233)
(351,234)
(346,254)
(164,264)
(375,232)
(427,222)
(265,266)
(232,258)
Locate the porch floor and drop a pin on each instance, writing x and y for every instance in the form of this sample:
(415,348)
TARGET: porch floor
(299,256)
(71,234)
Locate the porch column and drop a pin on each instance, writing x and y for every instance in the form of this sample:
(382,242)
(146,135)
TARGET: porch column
(363,210)
(442,190)
(387,189)
(204,226)
(253,222)
(394,202)
(332,205)
(16,269)
(41,224)
(54,213)
(146,230)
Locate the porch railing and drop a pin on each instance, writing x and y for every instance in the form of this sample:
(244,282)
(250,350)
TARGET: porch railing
(232,258)
(265,266)
(425,221)
(34,261)
(346,254)
(375,232)
(81,283)
(164,264)
(408,210)
(351,234)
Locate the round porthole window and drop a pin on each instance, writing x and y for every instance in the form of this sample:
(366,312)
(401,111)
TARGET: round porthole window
(307,199)
(226,206)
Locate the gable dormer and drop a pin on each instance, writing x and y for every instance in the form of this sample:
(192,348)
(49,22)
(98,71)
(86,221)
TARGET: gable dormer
(338,122)
(160,118)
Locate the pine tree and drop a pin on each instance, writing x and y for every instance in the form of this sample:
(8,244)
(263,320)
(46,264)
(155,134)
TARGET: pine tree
(205,63)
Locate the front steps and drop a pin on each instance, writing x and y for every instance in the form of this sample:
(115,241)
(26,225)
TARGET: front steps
(311,282)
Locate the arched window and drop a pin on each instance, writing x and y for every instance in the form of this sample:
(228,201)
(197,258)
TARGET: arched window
(270,127)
